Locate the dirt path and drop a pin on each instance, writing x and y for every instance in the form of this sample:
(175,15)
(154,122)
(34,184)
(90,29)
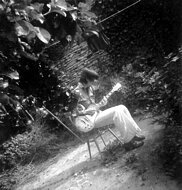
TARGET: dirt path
(135,170)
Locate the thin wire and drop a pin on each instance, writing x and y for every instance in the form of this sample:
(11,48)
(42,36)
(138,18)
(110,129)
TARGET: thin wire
(57,42)
(118,12)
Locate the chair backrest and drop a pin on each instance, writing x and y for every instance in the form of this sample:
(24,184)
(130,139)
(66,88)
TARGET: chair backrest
(71,120)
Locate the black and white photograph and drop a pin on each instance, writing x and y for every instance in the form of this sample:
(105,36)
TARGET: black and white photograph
(90,95)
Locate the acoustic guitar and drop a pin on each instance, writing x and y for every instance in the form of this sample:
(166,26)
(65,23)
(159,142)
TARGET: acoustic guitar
(85,123)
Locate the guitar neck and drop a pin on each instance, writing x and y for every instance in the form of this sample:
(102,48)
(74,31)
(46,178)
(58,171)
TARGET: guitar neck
(107,96)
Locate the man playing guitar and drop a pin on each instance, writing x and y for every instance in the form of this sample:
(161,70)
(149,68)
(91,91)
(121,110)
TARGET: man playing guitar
(88,115)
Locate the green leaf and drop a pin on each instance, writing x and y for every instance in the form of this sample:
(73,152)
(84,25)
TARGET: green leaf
(62,4)
(89,14)
(20,5)
(35,14)
(4,99)
(43,35)
(21,28)
(24,28)
(12,74)
(57,10)
(30,36)
(174,59)
(4,84)
(38,7)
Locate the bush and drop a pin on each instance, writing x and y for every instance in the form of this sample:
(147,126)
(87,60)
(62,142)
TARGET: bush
(171,151)
(22,147)
(19,154)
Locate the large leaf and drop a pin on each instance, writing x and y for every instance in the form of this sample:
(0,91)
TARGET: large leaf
(38,7)
(31,36)
(62,4)
(12,74)
(37,16)
(4,99)
(59,3)
(78,36)
(3,84)
(21,28)
(74,15)
(43,35)
(24,28)
(30,26)
(58,10)
(19,5)
(34,13)
(89,14)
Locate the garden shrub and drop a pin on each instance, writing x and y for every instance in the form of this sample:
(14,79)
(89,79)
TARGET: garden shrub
(21,147)
(21,151)
(145,50)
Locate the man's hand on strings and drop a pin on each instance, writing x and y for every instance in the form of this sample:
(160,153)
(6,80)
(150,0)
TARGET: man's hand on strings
(90,112)
(104,101)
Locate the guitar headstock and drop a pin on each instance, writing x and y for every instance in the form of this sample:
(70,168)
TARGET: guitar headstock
(116,87)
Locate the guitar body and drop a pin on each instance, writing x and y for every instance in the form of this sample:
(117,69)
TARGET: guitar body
(85,123)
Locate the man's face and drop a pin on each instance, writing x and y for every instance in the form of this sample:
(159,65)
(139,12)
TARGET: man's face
(95,84)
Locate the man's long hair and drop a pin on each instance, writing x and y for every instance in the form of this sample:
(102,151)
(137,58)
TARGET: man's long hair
(88,75)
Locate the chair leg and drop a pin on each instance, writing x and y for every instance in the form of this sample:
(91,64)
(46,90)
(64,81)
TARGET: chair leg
(102,138)
(112,132)
(97,145)
(88,144)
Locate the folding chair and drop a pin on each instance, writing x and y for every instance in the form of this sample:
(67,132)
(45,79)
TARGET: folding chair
(99,133)
(88,138)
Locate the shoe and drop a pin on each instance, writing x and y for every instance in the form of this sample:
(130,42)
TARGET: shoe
(132,145)
(138,138)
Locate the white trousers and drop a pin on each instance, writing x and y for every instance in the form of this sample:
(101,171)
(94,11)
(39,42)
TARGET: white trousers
(121,118)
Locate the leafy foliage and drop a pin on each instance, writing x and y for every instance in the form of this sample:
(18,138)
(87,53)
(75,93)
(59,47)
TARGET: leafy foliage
(161,90)
(29,29)
(27,78)
(23,148)
(172,151)
(141,41)
(145,50)
(14,117)
(149,26)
